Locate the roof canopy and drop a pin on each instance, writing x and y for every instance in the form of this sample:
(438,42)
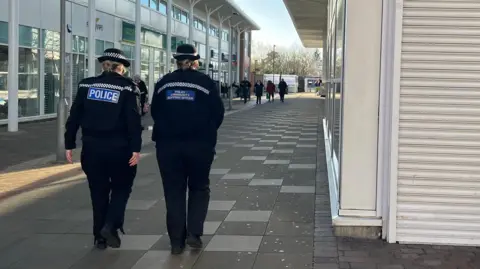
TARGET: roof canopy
(228,8)
(310,20)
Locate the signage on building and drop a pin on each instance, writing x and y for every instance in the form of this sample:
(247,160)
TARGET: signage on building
(98,26)
(147,37)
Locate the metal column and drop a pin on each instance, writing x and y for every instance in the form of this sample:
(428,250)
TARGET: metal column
(62,101)
(207,41)
(238,56)
(230,73)
(138,35)
(219,56)
(13,14)
(168,62)
(92,22)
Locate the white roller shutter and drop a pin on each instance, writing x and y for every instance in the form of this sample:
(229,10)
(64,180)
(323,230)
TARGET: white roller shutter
(439,128)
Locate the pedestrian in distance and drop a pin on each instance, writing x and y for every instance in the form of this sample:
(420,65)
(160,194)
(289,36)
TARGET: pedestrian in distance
(187,112)
(259,88)
(143,94)
(283,89)
(271,91)
(107,109)
(245,86)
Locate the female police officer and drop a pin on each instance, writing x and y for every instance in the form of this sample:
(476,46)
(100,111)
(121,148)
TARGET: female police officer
(187,112)
(107,109)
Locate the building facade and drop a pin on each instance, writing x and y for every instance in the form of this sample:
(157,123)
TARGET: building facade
(401,124)
(39,44)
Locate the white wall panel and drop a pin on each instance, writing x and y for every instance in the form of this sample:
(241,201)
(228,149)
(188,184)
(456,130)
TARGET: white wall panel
(360,109)
(50,15)
(30,13)
(125,9)
(107,6)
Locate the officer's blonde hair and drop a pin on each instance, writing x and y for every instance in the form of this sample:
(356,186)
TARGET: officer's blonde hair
(187,64)
(112,66)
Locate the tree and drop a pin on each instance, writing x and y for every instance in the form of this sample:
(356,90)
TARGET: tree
(292,61)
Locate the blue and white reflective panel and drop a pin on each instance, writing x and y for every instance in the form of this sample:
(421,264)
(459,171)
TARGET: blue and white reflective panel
(181,95)
(103,95)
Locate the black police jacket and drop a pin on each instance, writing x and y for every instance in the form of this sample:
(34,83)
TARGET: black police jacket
(107,109)
(186,106)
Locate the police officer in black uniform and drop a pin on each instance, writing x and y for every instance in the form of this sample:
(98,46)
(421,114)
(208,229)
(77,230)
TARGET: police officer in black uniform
(187,112)
(107,109)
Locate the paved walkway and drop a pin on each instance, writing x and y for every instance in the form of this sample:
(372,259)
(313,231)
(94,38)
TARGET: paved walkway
(269,209)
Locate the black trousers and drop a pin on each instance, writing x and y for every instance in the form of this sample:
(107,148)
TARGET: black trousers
(259,99)
(185,165)
(110,179)
(282,97)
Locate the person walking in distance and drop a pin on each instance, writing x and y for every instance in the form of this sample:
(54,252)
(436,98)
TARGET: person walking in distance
(259,91)
(143,94)
(271,90)
(245,86)
(283,89)
(187,112)
(106,108)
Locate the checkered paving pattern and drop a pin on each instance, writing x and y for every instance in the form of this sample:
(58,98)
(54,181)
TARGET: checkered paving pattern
(269,209)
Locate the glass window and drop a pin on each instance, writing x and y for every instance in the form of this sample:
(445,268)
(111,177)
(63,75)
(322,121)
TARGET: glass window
(99,47)
(3,32)
(128,51)
(28,36)
(177,13)
(154,4)
(144,2)
(109,45)
(28,82)
(184,17)
(51,40)
(52,81)
(145,60)
(162,7)
(3,82)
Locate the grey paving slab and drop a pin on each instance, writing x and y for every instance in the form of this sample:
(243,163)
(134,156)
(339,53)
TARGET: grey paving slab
(307,139)
(302,166)
(237,243)
(297,189)
(279,162)
(243,145)
(268,141)
(219,171)
(254,158)
(287,143)
(286,244)
(226,260)
(210,227)
(140,204)
(262,148)
(138,242)
(239,176)
(283,260)
(282,151)
(242,228)
(248,216)
(220,205)
(108,260)
(306,146)
(266,182)
(286,228)
(156,259)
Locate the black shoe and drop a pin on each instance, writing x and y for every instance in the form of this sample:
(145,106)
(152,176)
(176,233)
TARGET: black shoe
(111,236)
(177,250)
(194,241)
(101,243)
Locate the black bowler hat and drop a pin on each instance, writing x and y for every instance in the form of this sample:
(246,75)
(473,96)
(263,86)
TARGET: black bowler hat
(114,55)
(186,52)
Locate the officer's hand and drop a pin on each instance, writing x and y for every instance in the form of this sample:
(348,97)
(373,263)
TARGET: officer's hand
(68,154)
(135,158)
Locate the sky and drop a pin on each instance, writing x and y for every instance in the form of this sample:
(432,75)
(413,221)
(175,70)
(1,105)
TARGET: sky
(273,18)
